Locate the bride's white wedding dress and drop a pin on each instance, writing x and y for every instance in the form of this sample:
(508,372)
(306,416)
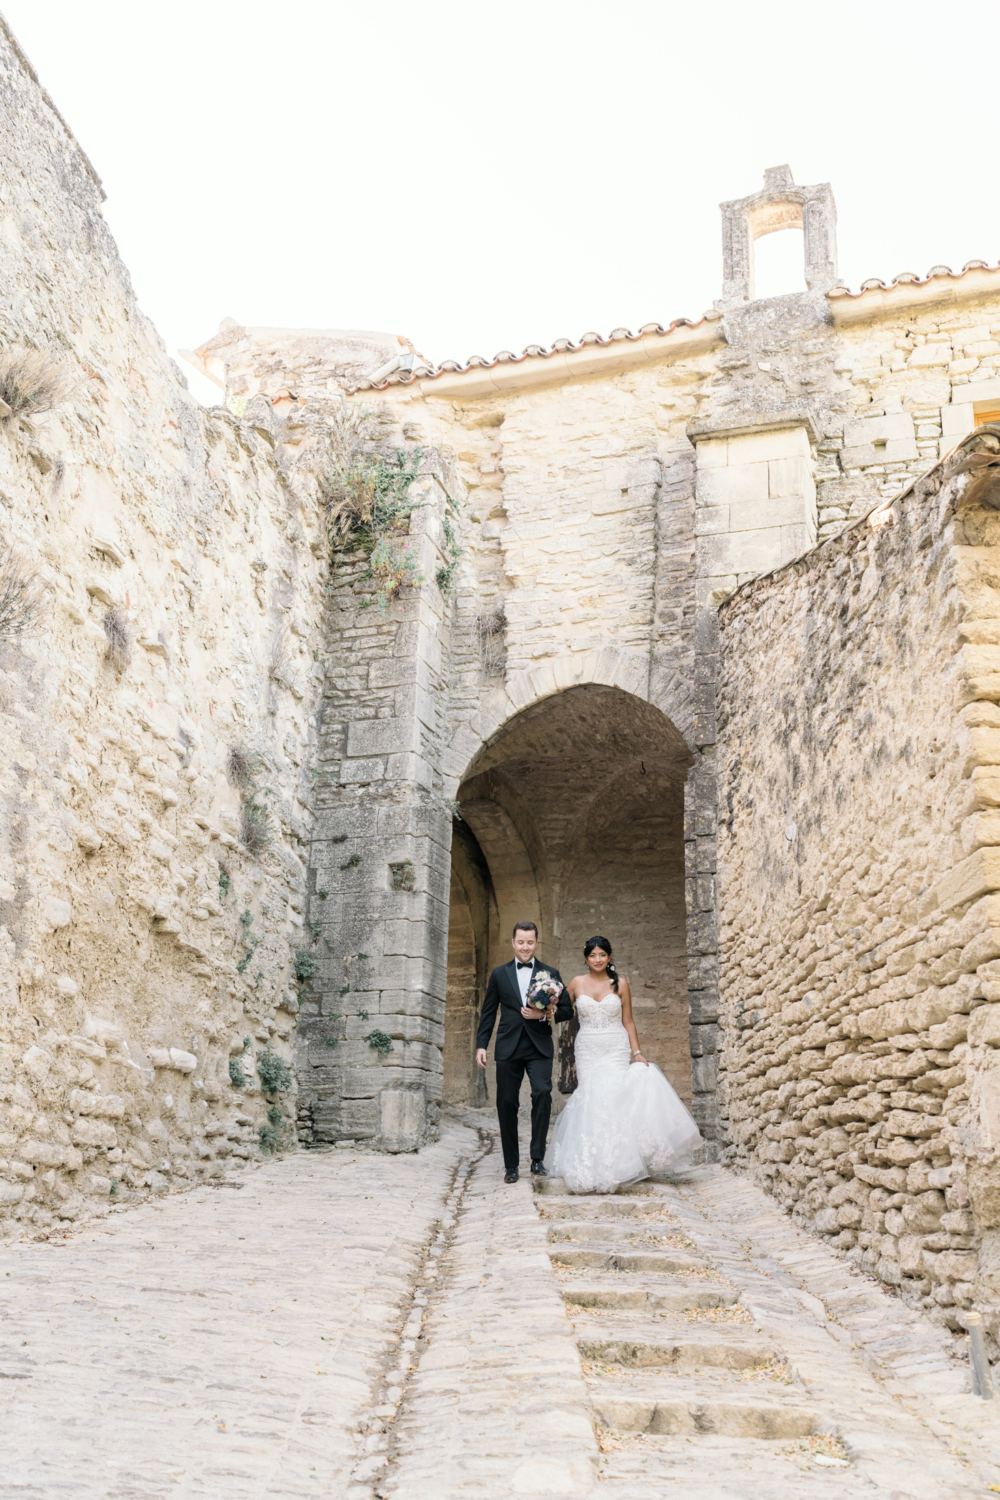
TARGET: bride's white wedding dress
(624,1121)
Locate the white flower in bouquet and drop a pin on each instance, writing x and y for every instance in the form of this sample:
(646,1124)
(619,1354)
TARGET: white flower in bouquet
(544,990)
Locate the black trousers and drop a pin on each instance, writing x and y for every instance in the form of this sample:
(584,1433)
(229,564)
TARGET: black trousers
(510,1074)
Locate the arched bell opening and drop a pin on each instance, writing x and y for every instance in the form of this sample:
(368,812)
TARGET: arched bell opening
(575,811)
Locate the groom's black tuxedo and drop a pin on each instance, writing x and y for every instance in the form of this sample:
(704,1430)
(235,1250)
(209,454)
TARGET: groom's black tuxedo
(503,993)
(522,1047)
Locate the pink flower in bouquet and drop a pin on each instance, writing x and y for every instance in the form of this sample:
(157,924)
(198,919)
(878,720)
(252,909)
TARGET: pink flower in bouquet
(543,990)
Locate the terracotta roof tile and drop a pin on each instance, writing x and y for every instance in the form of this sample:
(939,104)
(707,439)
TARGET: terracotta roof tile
(874,284)
(531,351)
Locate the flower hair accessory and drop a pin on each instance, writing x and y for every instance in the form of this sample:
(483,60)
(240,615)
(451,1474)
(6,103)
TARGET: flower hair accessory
(542,991)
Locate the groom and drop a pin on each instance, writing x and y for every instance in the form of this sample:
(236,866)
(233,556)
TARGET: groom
(524,1045)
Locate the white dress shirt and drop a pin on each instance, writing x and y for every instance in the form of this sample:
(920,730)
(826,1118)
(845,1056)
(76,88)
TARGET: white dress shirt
(524,978)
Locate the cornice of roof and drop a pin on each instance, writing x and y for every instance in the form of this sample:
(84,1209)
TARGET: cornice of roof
(595,354)
(907,292)
(592,354)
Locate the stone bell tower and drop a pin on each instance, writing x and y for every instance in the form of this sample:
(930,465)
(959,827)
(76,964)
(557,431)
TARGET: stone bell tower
(781,204)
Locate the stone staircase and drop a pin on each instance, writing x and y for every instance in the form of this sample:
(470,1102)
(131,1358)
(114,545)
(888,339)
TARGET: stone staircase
(689,1391)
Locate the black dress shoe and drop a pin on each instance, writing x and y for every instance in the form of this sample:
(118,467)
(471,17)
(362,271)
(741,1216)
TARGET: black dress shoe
(510,1175)
(539,1169)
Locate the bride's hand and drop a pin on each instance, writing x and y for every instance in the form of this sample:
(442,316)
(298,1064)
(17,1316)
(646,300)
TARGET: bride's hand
(638,1057)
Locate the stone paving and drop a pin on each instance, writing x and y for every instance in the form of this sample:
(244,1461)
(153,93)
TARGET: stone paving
(346,1324)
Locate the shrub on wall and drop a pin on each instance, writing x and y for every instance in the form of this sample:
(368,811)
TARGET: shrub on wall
(367,502)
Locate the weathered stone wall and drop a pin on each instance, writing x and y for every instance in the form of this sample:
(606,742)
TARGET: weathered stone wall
(140,943)
(860,938)
(558,684)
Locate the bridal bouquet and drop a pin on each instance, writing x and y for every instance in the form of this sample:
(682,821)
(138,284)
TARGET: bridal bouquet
(543,990)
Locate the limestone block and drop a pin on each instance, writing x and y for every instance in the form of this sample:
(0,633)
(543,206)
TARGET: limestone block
(712,453)
(781,442)
(788,511)
(790,478)
(90,1132)
(984,1026)
(756,551)
(370,737)
(36,1062)
(912,1124)
(89,1102)
(173,1057)
(971,878)
(42,1153)
(747,484)
(979,391)
(704,1071)
(980,828)
(898,426)
(950,1265)
(57,913)
(361,771)
(402,1119)
(711,520)
(910,1250)
(928,356)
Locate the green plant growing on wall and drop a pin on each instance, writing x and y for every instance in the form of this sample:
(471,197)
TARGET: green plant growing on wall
(305,964)
(251,944)
(349,864)
(274,1077)
(237,1077)
(380,1041)
(444,577)
(368,507)
(273,1073)
(225,881)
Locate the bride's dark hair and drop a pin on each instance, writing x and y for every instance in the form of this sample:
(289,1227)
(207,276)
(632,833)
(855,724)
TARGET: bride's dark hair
(602,942)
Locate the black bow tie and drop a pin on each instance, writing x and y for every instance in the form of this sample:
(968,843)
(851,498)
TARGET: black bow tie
(529,965)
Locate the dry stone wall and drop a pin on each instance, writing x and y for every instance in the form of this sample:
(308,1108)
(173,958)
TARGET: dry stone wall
(144,949)
(860,928)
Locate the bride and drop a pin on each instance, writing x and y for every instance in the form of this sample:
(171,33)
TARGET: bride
(624,1122)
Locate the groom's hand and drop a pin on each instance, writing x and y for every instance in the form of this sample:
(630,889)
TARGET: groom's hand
(481,1057)
(530,1014)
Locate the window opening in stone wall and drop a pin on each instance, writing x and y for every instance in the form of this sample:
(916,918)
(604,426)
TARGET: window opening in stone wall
(986,413)
(779,263)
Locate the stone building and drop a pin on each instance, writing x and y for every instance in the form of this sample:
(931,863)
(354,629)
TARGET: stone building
(256,808)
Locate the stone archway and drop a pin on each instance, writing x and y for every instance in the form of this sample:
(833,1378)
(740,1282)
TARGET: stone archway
(572,815)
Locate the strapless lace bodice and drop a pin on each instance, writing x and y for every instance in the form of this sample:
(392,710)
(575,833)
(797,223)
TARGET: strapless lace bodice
(599,1015)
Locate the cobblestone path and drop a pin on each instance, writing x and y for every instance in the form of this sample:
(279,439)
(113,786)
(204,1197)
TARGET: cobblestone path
(343,1324)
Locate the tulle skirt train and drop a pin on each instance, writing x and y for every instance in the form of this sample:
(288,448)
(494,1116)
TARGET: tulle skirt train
(623,1123)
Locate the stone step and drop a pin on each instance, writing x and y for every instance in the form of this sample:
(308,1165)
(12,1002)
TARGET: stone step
(639,1348)
(597,1208)
(653,1298)
(605,1260)
(669,1411)
(558,1186)
(725,1468)
(612,1234)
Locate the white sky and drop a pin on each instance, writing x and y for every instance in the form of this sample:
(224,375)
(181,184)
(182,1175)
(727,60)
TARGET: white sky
(480,176)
